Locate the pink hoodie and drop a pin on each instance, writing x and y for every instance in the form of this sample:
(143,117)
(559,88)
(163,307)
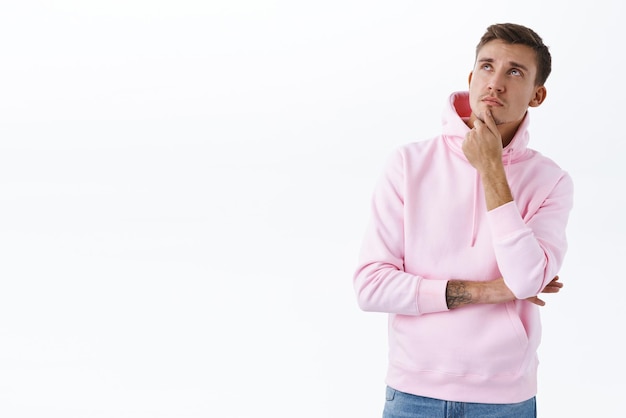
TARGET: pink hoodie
(429,224)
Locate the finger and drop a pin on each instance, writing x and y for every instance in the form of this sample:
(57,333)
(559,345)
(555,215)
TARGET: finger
(474,128)
(536,301)
(490,121)
(555,284)
(551,289)
(554,288)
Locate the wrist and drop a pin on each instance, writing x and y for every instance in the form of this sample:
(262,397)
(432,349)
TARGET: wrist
(460,293)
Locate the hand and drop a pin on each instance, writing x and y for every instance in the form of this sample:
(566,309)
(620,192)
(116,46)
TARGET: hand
(553,287)
(483,144)
(483,149)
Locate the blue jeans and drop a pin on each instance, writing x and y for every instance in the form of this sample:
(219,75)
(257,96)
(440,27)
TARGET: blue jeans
(404,405)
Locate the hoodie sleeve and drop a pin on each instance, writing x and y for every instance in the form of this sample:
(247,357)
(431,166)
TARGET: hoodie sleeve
(380,282)
(530,251)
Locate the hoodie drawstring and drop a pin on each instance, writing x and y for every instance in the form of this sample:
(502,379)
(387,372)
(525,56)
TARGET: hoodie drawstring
(475,208)
(508,162)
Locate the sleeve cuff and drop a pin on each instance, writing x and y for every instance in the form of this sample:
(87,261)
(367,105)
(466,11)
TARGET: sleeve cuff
(431,296)
(505,221)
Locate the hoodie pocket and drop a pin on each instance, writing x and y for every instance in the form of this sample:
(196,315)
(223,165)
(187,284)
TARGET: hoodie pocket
(516,323)
(486,340)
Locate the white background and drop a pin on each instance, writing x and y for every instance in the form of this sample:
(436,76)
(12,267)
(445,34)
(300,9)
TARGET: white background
(184,186)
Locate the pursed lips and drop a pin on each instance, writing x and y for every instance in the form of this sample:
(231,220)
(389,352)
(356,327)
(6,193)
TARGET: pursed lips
(492,101)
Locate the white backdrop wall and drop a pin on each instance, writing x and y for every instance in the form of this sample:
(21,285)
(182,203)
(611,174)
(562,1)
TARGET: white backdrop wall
(184,186)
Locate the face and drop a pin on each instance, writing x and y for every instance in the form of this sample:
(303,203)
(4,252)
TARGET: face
(503,80)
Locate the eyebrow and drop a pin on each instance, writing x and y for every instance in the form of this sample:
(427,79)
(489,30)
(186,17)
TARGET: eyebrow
(511,63)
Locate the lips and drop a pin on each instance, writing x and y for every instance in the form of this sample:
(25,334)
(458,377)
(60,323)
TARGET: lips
(492,101)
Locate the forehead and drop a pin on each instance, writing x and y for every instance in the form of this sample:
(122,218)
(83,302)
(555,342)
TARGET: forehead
(499,51)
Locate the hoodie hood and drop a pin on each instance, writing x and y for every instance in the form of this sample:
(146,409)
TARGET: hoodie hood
(457,111)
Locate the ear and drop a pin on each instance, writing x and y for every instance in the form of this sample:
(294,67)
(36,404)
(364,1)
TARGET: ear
(539,96)
(469,79)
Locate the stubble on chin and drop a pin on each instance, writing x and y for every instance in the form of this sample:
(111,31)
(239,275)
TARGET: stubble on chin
(498,121)
(481,116)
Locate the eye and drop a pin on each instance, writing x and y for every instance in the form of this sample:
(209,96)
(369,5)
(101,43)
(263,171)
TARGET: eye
(486,66)
(516,72)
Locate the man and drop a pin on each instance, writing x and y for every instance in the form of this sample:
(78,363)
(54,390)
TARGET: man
(466,230)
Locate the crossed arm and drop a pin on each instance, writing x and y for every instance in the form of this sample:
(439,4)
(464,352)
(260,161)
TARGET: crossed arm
(483,149)
(460,293)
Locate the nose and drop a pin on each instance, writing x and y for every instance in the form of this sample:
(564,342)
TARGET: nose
(496,83)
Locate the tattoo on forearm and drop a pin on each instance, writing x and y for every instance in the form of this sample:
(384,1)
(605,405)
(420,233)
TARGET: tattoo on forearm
(457,294)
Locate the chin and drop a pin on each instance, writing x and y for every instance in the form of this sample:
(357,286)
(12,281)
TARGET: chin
(498,119)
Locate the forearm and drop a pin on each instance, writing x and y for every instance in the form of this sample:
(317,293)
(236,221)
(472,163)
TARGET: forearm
(495,186)
(461,293)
